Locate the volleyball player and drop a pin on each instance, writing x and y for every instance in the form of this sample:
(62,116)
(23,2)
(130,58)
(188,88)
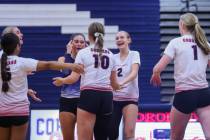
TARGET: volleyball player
(125,100)
(14,29)
(190,53)
(70,93)
(96,85)
(14,104)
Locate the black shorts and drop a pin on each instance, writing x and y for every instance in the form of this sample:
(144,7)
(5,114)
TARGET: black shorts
(188,101)
(68,105)
(96,102)
(116,118)
(119,105)
(8,121)
(122,104)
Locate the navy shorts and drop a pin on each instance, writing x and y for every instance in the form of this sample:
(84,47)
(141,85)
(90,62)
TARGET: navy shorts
(188,101)
(96,102)
(68,105)
(8,121)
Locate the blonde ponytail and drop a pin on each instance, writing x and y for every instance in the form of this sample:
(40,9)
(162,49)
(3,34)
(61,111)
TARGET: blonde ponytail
(192,25)
(200,39)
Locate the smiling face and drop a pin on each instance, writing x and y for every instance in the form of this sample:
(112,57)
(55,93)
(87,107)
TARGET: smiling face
(78,42)
(122,40)
(19,34)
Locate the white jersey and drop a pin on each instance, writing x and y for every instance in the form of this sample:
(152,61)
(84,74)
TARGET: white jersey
(131,90)
(15,101)
(190,63)
(97,70)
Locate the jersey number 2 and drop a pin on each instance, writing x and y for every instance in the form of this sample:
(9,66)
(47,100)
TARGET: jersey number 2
(119,72)
(195,52)
(104,61)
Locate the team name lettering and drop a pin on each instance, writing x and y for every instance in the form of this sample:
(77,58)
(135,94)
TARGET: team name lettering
(11,62)
(188,40)
(97,50)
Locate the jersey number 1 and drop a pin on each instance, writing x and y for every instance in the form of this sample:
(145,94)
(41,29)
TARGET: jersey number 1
(195,52)
(104,61)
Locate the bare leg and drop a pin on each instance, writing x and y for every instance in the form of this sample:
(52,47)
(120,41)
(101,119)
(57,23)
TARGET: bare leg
(178,121)
(4,133)
(130,113)
(203,114)
(85,124)
(19,132)
(67,121)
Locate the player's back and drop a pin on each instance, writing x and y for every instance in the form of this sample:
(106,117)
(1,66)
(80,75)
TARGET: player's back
(15,101)
(97,67)
(190,63)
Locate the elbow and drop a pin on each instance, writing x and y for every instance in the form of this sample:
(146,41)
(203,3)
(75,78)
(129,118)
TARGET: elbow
(48,66)
(53,65)
(43,65)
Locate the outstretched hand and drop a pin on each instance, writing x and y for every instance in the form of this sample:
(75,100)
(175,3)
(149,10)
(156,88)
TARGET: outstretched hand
(155,79)
(32,94)
(58,81)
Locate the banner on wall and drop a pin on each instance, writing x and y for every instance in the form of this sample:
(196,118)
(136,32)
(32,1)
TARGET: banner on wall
(150,126)
(156,126)
(45,125)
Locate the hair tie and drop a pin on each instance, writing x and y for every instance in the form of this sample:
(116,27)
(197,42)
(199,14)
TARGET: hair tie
(97,34)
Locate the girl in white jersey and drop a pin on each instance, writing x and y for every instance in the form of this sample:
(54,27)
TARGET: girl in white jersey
(95,105)
(125,100)
(190,53)
(16,30)
(69,93)
(14,104)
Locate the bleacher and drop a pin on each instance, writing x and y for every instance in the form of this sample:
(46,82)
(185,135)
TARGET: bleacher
(141,20)
(46,33)
(170,12)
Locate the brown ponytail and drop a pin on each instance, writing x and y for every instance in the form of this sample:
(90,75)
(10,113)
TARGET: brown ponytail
(5,73)
(100,43)
(96,31)
(9,43)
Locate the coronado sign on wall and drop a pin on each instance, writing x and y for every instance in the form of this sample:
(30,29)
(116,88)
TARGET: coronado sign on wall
(150,126)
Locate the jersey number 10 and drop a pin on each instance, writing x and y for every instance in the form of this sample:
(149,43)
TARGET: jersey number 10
(103,59)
